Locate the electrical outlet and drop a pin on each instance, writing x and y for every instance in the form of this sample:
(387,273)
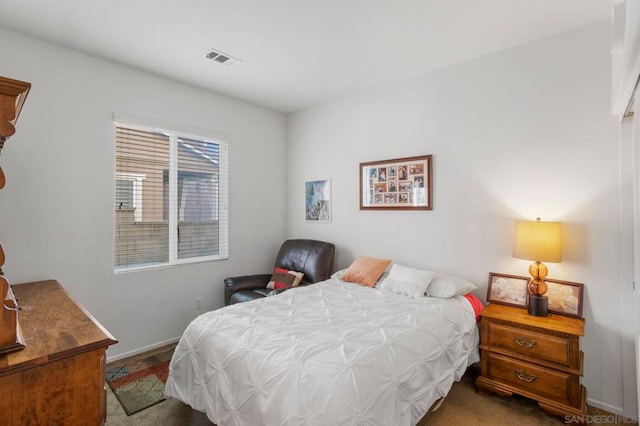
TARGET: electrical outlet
(198,303)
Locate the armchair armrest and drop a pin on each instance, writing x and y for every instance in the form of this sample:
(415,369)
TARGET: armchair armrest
(278,291)
(244,282)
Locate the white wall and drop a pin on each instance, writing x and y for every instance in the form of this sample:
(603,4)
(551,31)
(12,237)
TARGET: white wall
(522,133)
(57,208)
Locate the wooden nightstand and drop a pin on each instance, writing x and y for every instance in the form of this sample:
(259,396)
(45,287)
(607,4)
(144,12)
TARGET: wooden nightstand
(536,357)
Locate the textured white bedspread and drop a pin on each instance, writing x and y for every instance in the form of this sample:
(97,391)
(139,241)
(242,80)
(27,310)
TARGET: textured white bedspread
(333,353)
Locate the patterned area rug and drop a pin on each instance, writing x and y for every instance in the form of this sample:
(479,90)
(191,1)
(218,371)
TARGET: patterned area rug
(138,383)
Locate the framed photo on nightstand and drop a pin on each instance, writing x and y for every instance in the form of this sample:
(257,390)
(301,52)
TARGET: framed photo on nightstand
(565,298)
(506,289)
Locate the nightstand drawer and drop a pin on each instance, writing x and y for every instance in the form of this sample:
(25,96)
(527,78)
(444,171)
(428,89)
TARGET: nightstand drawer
(544,382)
(529,343)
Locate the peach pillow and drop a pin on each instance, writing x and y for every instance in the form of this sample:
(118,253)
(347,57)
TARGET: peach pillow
(365,271)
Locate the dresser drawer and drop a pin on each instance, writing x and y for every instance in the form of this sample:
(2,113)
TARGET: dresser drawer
(545,382)
(552,348)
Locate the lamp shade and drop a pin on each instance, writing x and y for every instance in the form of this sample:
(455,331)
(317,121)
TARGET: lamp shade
(539,241)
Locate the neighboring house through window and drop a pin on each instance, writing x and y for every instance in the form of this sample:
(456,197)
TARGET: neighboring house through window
(129,193)
(170,197)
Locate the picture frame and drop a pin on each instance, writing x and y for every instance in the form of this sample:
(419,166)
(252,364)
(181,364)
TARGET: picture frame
(565,297)
(317,200)
(511,290)
(397,184)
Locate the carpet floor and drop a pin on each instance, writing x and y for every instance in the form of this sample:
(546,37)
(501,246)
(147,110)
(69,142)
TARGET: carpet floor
(461,407)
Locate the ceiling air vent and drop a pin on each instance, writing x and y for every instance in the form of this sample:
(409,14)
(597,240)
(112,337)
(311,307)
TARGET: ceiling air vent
(221,58)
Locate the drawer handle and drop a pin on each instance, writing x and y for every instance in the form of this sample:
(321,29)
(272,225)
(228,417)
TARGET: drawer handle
(527,344)
(524,376)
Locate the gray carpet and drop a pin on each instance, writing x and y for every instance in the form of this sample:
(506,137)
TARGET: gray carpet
(461,407)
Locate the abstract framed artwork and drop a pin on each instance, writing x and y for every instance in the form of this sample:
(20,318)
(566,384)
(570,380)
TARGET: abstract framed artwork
(509,290)
(565,298)
(317,200)
(398,184)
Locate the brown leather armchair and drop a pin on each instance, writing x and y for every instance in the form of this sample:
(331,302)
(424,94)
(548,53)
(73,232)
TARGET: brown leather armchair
(313,258)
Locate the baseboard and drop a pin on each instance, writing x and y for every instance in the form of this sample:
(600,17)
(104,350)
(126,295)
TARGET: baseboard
(607,407)
(142,349)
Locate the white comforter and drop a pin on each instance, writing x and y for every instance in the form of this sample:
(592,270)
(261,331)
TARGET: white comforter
(332,353)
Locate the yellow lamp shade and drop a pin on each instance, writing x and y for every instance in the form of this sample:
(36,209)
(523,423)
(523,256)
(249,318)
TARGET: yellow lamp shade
(539,241)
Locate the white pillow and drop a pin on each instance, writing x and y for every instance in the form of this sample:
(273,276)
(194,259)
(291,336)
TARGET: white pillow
(337,275)
(407,281)
(445,286)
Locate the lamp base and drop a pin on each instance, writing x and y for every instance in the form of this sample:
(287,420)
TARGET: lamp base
(538,305)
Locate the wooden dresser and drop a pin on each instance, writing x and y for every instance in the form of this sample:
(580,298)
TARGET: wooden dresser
(536,357)
(59,378)
(12,96)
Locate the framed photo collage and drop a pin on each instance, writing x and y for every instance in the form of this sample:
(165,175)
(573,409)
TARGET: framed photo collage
(402,183)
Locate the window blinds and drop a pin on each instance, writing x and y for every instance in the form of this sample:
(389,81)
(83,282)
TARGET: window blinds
(170,198)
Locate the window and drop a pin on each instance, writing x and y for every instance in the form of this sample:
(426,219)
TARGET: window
(170,198)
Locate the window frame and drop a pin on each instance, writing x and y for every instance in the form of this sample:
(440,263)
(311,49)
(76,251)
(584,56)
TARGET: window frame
(175,132)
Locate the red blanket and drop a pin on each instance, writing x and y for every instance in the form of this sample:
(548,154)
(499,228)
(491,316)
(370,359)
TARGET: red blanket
(476,304)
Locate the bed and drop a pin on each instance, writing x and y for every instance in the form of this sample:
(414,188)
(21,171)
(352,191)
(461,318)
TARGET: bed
(333,353)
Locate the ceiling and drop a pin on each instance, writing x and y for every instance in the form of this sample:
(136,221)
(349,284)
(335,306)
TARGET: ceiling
(294,53)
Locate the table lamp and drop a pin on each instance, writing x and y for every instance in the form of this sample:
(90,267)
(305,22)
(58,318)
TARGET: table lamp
(541,242)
